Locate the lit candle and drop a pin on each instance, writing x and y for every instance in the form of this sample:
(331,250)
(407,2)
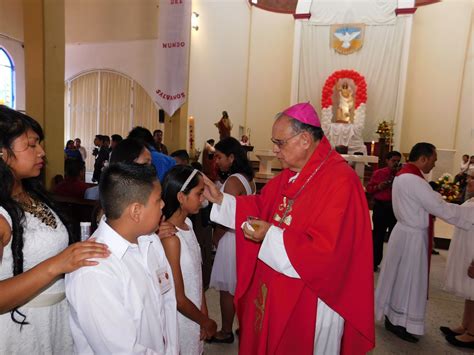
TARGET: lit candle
(372,147)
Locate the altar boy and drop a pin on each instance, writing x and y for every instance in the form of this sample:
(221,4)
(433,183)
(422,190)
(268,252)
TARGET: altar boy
(126,304)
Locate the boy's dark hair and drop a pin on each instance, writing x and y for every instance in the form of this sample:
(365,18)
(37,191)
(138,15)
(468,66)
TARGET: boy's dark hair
(124,183)
(241,163)
(181,154)
(392,154)
(421,149)
(143,135)
(116,138)
(73,167)
(196,165)
(127,151)
(172,184)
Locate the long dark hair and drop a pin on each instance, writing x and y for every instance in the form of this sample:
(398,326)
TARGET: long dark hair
(12,125)
(172,184)
(241,164)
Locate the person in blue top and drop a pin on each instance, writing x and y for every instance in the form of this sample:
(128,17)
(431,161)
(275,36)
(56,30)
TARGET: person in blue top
(162,162)
(71,151)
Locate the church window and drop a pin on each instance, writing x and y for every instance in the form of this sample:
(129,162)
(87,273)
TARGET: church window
(7,80)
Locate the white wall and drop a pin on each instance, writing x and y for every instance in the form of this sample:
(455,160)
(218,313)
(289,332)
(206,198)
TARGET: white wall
(240,62)
(136,59)
(269,86)
(218,66)
(11,18)
(464,142)
(436,73)
(110,20)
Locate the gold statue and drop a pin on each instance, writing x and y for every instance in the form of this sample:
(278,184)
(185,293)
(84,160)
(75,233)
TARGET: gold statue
(345,110)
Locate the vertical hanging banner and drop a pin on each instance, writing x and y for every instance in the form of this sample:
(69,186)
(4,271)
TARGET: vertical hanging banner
(174,26)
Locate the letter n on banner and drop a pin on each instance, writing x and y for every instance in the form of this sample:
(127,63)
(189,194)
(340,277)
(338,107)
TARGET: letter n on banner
(174,26)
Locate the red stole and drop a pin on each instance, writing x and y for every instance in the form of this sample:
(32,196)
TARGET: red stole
(413,169)
(328,242)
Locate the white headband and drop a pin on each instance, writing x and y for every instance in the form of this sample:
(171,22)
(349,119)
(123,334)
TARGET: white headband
(188,180)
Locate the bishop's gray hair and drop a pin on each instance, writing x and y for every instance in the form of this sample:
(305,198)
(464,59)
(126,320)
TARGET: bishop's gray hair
(298,126)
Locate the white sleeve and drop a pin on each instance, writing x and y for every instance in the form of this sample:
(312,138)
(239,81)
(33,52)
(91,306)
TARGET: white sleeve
(224,214)
(273,253)
(97,309)
(460,216)
(6,215)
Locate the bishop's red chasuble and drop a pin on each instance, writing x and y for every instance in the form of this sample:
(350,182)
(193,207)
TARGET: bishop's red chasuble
(327,236)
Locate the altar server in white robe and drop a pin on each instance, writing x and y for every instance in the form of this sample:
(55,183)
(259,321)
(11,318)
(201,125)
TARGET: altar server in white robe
(402,288)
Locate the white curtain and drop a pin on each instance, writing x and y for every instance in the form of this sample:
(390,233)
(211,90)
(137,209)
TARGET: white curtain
(115,104)
(370,12)
(378,61)
(145,110)
(104,102)
(82,113)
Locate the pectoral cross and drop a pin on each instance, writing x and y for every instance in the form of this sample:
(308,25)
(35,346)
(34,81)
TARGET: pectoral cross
(287,207)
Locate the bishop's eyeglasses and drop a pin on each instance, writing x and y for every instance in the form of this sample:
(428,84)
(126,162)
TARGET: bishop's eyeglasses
(281,142)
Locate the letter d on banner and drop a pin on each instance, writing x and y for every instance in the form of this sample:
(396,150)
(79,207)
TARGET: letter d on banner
(174,26)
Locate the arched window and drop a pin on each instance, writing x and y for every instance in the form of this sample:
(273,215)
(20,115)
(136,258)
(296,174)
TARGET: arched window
(7,77)
(106,102)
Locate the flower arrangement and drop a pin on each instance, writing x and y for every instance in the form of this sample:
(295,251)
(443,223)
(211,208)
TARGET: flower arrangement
(385,129)
(446,186)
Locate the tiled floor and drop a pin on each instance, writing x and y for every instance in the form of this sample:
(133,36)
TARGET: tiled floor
(443,309)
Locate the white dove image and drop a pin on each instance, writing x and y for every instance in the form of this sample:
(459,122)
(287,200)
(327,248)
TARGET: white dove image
(346,38)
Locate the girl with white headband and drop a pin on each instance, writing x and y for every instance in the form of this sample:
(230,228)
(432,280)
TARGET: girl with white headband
(183,189)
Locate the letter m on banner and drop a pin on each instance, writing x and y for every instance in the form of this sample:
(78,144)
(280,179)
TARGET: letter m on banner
(174,26)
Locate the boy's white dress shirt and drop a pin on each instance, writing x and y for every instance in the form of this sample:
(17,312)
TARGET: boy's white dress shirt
(127,303)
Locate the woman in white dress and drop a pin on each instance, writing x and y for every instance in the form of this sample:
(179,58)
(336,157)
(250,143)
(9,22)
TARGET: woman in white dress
(231,159)
(183,189)
(34,252)
(457,280)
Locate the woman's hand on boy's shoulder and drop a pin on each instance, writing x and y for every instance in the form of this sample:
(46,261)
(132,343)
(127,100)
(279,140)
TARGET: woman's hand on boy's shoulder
(76,256)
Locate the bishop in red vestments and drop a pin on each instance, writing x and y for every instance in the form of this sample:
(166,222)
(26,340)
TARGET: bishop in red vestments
(304,260)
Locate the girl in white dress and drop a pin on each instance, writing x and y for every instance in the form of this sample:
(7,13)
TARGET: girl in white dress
(34,252)
(231,159)
(183,189)
(457,281)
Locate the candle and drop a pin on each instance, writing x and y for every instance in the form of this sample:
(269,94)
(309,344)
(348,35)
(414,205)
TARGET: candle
(372,147)
(191,134)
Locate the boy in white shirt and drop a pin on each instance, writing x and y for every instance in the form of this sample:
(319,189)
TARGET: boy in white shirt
(126,304)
